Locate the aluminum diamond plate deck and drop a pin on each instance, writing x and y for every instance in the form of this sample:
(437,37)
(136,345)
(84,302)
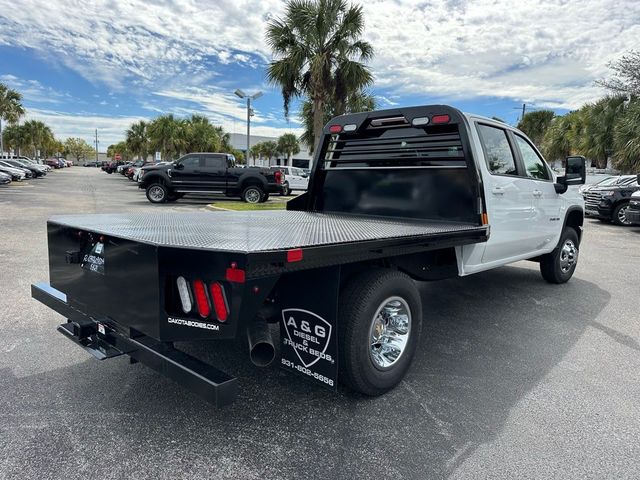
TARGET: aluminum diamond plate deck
(254,231)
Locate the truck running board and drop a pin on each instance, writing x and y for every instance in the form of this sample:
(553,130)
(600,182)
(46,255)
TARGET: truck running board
(103,342)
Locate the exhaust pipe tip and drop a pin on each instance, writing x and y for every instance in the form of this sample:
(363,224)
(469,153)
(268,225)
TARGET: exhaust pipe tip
(262,352)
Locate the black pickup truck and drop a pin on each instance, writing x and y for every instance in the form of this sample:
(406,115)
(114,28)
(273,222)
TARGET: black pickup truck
(610,203)
(209,173)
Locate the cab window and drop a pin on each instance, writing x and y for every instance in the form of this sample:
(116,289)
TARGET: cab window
(534,166)
(191,161)
(214,162)
(497,150)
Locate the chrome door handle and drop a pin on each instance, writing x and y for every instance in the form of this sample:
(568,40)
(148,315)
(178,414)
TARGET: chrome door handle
(537,193)
(497,191)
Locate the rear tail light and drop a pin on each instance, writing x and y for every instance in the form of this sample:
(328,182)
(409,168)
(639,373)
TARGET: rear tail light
(219,301)
(278,175)
(200,292)
(185,295)
(440,119)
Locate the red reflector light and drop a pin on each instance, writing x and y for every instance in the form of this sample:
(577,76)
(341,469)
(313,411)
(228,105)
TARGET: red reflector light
(335,128)
(440,119)
(219,302)
(235,275)
(294,255)
(200,292)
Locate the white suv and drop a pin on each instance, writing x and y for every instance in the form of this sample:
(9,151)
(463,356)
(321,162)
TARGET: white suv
(294,178)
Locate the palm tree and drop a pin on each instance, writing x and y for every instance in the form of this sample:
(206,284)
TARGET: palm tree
(562,136)
(256,151)
(535,124)
(11,109)
(319,50)
(37,135)
(599,120)
(167,135)
(269,150)
(288,145)
(627,139)
(137,139)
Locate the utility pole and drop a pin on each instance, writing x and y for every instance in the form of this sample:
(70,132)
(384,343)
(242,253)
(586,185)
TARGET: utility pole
(241,94)
(524,109)
(96,145)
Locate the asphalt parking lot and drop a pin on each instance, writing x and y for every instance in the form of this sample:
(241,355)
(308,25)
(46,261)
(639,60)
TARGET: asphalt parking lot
(515,378)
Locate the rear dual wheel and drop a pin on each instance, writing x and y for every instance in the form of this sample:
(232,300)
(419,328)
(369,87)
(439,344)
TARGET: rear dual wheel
(380,317)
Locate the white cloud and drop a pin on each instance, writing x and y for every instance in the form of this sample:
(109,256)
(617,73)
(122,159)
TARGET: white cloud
(546,52)
(34,91)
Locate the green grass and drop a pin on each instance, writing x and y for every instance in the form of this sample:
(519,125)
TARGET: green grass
(242,206)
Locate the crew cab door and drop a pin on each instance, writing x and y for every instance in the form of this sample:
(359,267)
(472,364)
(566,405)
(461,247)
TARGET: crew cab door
(545,201)
(183,175)
(508,196)
(213,173)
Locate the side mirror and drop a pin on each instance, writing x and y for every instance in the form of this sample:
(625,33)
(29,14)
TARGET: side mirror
(178,166)
(575,173)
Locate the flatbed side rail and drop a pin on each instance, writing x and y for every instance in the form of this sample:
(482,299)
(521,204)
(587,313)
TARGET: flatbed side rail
(102,341)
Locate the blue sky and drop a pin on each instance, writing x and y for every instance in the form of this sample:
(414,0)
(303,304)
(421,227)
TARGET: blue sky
(106,63)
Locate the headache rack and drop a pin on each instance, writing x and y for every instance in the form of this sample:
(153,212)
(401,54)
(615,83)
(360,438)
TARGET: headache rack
(405,146)
(413,162)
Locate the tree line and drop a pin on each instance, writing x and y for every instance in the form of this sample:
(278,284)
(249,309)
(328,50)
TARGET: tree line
(172,137)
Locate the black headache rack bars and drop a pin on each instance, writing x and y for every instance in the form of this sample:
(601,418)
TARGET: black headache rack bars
(103,341)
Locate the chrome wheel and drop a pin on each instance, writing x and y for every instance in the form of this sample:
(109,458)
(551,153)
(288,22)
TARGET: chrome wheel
(622,215)
(389,332)
(568,256)
(156,193)
(252,195)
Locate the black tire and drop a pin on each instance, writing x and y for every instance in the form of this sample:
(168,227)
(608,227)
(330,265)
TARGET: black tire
(618,217)
(285,189)
(265,197)
(360,299)
(558,266)
(252,194)
(157,193)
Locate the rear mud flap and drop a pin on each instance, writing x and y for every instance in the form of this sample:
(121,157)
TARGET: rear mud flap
(308,331)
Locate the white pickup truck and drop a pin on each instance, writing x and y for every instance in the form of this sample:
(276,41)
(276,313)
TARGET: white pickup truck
(395,196)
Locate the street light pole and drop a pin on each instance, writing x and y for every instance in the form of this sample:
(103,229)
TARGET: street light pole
(241,94)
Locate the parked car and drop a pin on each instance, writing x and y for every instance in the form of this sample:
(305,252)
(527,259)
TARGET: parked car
(610,202)
(17,174)
(34,162)
(27,173)
(209,173)
(294,179)
(122,168)
(91,164)
(605,181)
(52,162)
(5,178)
(36,170)
(110,167)
(633,213)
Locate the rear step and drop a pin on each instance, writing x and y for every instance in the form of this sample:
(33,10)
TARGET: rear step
(103,342)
